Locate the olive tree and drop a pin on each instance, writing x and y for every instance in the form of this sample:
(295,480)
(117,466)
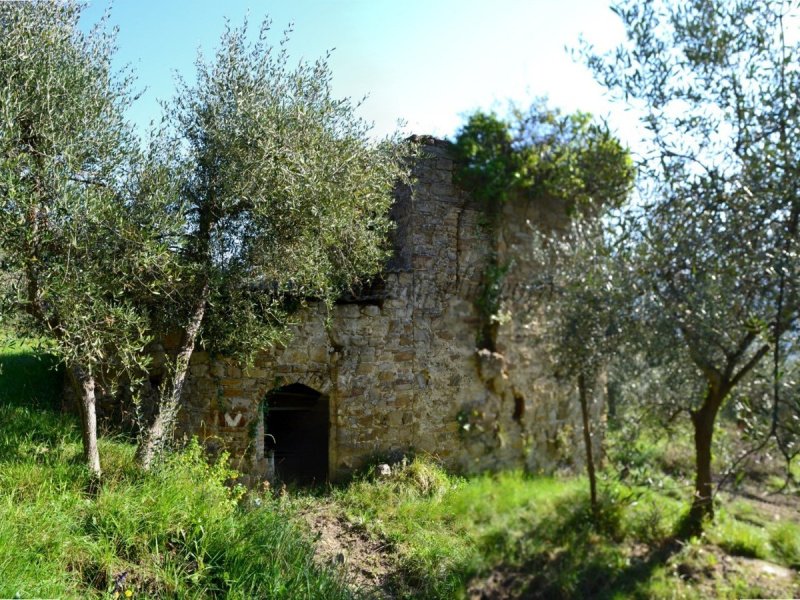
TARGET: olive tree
(580,294)
(287,196)
(84,219)
(716,83)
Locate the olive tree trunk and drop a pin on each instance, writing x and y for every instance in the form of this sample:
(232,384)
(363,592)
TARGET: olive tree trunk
(583,395)
(703,420)
(159,433)
(83,385)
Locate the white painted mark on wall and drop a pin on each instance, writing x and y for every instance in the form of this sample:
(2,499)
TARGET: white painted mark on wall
(232,421)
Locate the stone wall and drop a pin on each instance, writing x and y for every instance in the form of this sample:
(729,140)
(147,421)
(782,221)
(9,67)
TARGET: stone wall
(400,368)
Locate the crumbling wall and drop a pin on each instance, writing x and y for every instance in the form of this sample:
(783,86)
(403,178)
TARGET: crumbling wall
(400,368)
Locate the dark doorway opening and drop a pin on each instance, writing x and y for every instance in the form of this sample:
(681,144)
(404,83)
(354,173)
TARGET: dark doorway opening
(296,428)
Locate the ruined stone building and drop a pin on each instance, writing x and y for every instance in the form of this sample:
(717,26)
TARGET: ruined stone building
(397,368)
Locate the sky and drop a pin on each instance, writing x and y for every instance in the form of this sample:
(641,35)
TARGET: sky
(426,62)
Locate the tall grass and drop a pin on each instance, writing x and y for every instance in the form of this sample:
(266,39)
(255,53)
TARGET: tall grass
(28,377)
(182,531)
(186,530)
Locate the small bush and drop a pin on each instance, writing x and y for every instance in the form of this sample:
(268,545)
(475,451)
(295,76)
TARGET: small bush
(423,477)
(179,532)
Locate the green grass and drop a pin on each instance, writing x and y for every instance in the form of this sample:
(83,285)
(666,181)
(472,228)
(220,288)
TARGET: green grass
(445,531)
(187,531)
(739,538)
(27,376)
(183,531)
(785,542)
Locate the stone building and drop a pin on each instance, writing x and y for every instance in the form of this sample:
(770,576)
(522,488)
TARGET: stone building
(396,368)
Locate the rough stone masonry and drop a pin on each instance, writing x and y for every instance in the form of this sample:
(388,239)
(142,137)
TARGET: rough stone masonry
(396,369)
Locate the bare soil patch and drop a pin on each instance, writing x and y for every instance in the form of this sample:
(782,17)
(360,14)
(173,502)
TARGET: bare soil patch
(764,578)
(501,584)
(365,562)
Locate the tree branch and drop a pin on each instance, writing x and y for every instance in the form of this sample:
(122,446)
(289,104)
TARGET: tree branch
(749,365)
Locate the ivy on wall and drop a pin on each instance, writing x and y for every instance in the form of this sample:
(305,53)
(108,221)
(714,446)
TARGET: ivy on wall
(533,154)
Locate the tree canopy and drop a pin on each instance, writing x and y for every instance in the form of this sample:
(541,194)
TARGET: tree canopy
(542,152)
(287,197)
(84,220)
(716,235)
(263,191)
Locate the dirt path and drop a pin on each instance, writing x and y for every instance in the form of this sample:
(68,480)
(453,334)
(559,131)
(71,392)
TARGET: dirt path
(366,563)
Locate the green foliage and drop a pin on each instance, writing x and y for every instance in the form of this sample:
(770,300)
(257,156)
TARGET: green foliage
(785,541)
(87,224)
(579,296)
(739,538)
(287,202)
(289,196)
(580,288)
(488,302)
(445,528)
(642,453)
(543,528)
(181,531)
(541,538)
(265,192)
(78,234)
(714,244)
(536,154)
(487,162)
(541,153)
(28,377)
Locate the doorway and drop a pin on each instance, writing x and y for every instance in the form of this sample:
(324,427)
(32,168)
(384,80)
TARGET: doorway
(296,431)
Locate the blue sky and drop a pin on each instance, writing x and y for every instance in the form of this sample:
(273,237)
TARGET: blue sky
(428,62)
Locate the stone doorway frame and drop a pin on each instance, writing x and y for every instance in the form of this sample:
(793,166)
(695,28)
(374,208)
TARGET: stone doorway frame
(320,385)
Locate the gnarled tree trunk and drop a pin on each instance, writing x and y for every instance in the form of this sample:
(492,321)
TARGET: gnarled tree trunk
(159,433)
(703,420)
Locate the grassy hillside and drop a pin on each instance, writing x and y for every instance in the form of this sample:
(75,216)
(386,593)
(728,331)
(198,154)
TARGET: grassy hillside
(509,535)
(188,531)
(181,532)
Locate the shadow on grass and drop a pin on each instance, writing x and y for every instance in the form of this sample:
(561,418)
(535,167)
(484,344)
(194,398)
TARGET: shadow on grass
(30,380)
(577,557)
(585,573)
(30,413)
